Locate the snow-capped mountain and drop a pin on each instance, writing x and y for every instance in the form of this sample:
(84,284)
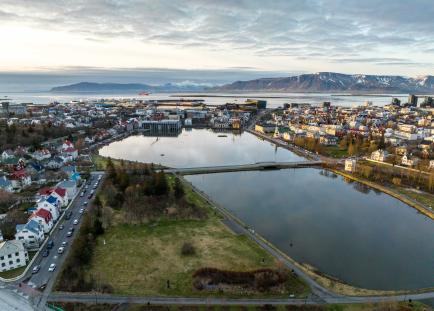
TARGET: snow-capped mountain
(331,82)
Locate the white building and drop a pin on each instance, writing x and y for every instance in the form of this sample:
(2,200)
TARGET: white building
(12,255)
(31,234)
(379,155)
(350,165)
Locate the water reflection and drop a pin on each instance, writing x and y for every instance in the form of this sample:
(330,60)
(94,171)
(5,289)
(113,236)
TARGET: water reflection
(345,230)
(198,147)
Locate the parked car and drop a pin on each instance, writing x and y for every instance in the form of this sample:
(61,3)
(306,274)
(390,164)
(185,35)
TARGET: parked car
(52,267)
(90,196)
(50,244)
(72,229)
(61,227)
(68,215)
(60,250)
(75,222)
(85,203)
(81,211)
(69,234)
(64,243)
(82,194)
(46,253)
(36,269)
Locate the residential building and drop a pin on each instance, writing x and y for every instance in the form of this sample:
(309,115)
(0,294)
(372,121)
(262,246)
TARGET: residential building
(379,155)
(12,255)
(31,234)
(350,165)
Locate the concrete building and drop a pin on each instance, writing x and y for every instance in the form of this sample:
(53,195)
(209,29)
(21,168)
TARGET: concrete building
(12,255)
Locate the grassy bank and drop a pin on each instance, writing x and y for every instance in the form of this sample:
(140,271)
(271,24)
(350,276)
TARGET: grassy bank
(146,258)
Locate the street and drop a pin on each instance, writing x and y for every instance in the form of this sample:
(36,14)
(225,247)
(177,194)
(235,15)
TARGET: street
(44,278)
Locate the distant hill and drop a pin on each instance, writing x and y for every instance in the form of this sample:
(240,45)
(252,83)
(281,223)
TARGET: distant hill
(92,87)
(334,82)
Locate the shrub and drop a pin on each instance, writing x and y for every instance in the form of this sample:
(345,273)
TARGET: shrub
(188,249)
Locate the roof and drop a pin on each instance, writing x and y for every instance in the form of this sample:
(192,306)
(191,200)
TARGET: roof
(4,182)
(60,191)
(67,184)
(43,213)
(19,174)
(45,191)
(11,246)
(51,200)
(31,225)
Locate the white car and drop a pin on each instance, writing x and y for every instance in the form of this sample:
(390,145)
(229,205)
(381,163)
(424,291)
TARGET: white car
(60,250)
(52,267)
(64,243)
(81,211)
(75,222)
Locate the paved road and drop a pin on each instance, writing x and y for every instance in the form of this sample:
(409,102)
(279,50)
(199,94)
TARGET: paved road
(44,277)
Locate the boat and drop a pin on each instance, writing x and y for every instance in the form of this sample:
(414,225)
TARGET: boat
(162,154)
(143,93)
(222,135)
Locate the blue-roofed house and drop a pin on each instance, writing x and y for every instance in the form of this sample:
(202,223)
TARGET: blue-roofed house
(51,204)
(30,234)
(6,184)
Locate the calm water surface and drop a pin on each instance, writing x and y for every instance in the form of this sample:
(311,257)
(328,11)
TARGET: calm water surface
(346,230)
(195,148)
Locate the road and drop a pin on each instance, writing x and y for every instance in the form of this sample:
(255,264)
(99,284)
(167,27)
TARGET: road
(44,277)
(241,167)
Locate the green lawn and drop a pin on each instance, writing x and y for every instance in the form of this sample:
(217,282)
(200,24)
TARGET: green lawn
(335,152)
(425,198)
(140,259)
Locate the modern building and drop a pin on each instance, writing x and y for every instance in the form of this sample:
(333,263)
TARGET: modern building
(412,100)
(12,255)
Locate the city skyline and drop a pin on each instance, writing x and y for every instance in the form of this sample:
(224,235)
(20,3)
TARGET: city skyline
(284,38)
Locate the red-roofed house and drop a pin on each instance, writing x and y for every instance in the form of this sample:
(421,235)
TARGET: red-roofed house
(20,179)
(61,195)
(44,218)
(45,191)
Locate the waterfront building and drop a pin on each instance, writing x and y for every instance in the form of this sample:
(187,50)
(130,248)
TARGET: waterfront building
(379,155)
(412,100)
(350,165)
(162,126)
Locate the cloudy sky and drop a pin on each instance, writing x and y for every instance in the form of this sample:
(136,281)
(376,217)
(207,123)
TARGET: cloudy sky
(237,39)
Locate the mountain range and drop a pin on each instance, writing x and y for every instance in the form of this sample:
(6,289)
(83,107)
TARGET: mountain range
(335,82)
(92,87)
(316,82)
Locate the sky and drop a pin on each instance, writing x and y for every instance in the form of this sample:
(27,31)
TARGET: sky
(213,41)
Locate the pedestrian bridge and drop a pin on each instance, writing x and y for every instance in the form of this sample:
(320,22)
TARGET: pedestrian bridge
(243,167)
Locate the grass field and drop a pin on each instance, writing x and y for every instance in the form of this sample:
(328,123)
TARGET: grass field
(423,197)
(142,259)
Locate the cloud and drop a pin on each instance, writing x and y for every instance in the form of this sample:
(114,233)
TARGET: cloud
(339,31)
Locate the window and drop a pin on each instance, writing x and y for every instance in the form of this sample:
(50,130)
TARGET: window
(20,238)
(2,257)
(3,264)
(18,260)
(16,254)
(11,262)
(10,256)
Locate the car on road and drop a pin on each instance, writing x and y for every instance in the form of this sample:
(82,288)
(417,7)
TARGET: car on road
(60,250)
(82,194)
(81,211)
(61,227)
(36,269)
(52,267)
(64,243)
(75,222)
(85,203)
(50,244)
(72,229)
(86,187)
(69,234)
(90,196)
(46,253)
(68,215)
